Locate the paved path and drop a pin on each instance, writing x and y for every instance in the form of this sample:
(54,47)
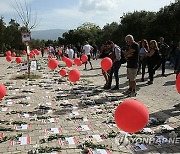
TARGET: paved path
(52,112)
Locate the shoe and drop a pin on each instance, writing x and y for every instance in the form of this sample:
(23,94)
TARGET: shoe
(138,73)
(107,87)
(164,75)
(150,82)
(132,94)
(142,79)
(85,69)
(115,88)
(127,92)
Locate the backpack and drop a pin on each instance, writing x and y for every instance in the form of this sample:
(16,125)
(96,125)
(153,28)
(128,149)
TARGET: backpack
(123,60)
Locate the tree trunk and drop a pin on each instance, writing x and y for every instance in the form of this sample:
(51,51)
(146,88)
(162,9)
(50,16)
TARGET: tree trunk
(28,62)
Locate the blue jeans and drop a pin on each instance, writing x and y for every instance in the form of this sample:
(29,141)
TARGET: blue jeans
(115,69)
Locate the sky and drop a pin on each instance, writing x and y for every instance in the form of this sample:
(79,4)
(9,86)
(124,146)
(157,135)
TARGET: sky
(69,14)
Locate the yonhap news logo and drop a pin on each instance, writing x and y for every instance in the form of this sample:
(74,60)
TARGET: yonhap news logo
(122,139)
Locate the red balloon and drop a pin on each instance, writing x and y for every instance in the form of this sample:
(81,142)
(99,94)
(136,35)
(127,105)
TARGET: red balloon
(131,116)
(52,64)
(18,60)
(2,91)
(36,51)
(62,72)
(178,83)
(60,53)
(84,58)
(32,52)
(13,54)
(24,52)
(106,64)
(74,75)
(47,50)
(77,62)
(8,58)
(64,58)
(8,53)
(49,56)
(31,55)
(69,62)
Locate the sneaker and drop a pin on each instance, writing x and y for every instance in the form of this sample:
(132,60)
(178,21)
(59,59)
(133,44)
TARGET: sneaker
(115,88)
(164,75)
(127,92)
(132,94)
(142,79)
(107,87)
(150,82)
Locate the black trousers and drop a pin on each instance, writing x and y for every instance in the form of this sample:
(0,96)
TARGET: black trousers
(163,63)
(115,69)
(151,65)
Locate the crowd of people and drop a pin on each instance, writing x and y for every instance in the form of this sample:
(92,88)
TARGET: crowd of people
(138,55)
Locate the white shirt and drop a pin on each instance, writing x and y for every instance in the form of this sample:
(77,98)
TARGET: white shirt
(51,49)
(87,49)
(71,53)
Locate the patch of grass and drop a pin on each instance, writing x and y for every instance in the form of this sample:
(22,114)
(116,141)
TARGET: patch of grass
(18,122)
(5,129)
(45,150)
(42,107)
(51,138)
(25,77)
(23,103)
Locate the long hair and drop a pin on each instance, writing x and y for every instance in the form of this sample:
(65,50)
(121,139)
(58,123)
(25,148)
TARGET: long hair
(146,46)
(155,45)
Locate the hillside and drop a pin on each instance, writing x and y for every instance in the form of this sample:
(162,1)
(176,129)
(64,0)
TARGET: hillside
(51,34)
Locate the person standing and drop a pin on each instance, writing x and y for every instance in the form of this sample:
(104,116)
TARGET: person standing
(115,55)
(163,49)
(42,51)
(144,49)
(87,51)
(70,52)
(104,53)
(79,50)
(95,50)
(153,59)
(177,60)
(132,64)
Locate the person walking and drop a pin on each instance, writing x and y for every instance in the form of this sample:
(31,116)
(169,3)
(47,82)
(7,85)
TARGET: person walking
(87,48)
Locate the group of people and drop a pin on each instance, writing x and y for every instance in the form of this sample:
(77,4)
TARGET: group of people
(138,56)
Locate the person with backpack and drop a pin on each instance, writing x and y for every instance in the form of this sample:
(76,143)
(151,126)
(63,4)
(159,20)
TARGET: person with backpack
(115,55)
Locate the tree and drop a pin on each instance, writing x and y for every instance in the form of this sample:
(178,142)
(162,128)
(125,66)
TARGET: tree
(2,36)
(108,31)
(25,16)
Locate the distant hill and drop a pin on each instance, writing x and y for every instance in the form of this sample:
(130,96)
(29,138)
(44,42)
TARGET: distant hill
(51,34)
